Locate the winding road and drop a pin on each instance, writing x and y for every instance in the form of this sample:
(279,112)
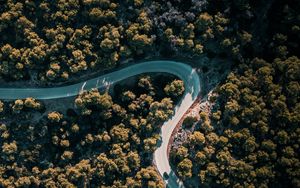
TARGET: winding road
(183,71)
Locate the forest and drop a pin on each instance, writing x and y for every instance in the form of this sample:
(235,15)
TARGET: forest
(249,138)
(52,41)
(105,141)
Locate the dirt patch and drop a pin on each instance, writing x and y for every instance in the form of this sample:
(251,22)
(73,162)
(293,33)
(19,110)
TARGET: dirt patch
(193,110)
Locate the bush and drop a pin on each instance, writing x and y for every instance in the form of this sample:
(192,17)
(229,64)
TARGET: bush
(189,121)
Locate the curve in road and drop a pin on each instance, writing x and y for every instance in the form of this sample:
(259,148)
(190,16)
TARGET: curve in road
(183,71)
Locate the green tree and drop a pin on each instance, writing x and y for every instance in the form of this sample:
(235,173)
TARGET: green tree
(120,133)
(197,138)
(1,106)
(55,117)
(175,88)
(185,169)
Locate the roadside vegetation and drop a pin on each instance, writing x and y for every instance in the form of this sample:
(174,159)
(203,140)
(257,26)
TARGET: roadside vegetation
(105,141)
(53,41)
(250,137)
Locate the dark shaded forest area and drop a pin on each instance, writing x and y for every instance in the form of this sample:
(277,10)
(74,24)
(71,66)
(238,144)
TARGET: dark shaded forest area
(44,41)
(250,138)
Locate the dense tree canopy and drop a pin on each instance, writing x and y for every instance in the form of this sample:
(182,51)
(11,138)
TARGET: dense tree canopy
(105,141)
(253,139)
(250,138)
(53,40)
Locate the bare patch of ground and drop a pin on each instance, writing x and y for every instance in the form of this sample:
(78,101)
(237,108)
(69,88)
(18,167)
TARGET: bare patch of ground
(211,72)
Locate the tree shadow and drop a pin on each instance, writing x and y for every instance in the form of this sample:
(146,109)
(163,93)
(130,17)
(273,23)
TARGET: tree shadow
(173,181)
